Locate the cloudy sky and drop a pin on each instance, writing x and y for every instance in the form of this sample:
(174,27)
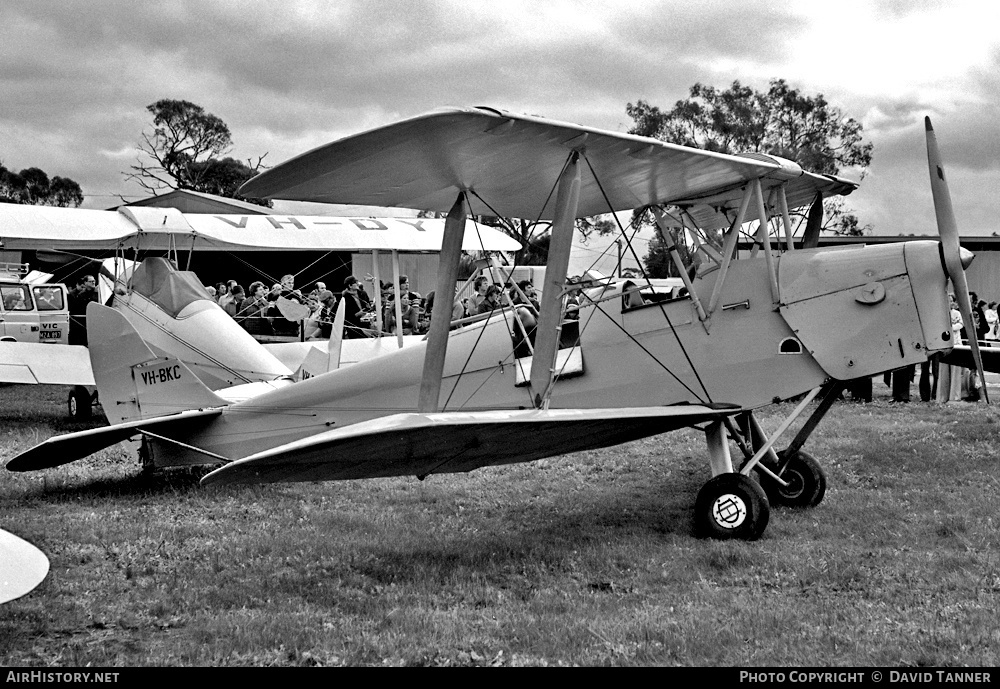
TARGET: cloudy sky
(289,75)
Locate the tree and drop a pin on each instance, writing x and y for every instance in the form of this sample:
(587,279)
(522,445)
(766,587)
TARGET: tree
(185,149)
(32,186)
(781,121)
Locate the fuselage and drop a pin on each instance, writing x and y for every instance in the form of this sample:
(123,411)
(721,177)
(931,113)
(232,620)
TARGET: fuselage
(842,313)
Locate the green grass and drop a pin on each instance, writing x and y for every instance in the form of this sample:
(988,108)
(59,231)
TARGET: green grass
(587,559)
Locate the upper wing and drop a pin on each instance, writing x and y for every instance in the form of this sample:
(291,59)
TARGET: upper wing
(421,444)
(511,162)
(47,364)
(22,566)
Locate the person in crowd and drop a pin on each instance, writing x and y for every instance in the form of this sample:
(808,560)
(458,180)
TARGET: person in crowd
(479,287)
(991,321)
(354,327)
(288,290)
(327,312)
(409,313)
(951,379)
(237,296)
(253,311)
(78,298)
(212,293)
(491,300)
(221,293)
(982,324)
(457,309)
(274,292)
(527,288)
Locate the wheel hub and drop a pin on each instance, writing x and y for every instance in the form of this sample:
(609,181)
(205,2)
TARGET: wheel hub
(729,511)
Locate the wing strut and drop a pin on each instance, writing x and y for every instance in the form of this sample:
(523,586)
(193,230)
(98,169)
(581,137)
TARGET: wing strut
(668,242)
(550,310)
(764,237)
(786,219)
(437,338)
(727,251)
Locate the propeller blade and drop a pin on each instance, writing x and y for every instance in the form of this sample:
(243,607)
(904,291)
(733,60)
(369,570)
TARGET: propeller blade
(814,223)
(952,250)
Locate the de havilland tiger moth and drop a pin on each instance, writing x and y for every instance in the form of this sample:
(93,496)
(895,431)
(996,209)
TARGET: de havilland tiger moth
(783,324)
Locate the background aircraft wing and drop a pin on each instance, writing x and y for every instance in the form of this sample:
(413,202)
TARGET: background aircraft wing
(22,566)
(511,163)
(152,228)
(447,442)
(32,363)
(63,449)
(961,355)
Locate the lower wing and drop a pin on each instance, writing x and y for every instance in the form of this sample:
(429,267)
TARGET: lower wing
(63,449)
(423,444)
(33,363)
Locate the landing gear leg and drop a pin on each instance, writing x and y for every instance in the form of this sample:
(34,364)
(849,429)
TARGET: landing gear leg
(791,477)
(730,505)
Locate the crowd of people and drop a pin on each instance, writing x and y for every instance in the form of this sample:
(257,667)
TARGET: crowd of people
(942,382)
(257,308)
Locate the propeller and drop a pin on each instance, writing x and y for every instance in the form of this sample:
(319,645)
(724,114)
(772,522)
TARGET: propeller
(951,249)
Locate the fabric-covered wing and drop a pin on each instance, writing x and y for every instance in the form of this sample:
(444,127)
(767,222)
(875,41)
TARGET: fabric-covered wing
(448,442)
(63,449)
(34,363)
(961,355)
(511,163)
(22,566)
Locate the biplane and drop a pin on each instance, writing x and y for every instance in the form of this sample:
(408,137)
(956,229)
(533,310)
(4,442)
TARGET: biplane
(601,364)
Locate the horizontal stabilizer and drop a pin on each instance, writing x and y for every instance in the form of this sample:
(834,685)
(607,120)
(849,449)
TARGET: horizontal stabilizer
(22,566)
(422,444)
(63,449)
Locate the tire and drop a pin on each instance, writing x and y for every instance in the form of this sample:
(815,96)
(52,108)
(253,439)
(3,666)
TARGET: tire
(80,404)
(731,506)
(807,482)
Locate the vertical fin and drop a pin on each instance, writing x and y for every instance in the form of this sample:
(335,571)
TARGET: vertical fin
(133,382)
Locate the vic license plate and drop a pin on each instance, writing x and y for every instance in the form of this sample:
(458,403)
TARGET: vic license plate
(51,334)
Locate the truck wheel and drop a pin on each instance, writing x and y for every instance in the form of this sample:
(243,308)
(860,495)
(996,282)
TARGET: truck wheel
(79,404)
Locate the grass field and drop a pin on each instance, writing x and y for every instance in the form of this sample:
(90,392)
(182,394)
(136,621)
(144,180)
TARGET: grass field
(587,559)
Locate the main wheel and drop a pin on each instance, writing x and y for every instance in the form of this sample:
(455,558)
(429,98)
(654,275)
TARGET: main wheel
(731,506)
(79,404)
(806,481)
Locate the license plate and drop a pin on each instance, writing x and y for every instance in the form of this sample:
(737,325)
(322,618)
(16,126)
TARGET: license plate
(51,334)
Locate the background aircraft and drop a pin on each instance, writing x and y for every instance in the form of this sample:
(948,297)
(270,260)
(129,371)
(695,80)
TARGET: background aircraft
(171,309)
(749,333)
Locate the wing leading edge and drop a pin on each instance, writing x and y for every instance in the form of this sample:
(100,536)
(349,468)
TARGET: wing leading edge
(448,442)
(511,162)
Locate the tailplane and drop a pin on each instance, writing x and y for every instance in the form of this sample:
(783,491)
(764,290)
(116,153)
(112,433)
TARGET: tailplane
(133,382)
